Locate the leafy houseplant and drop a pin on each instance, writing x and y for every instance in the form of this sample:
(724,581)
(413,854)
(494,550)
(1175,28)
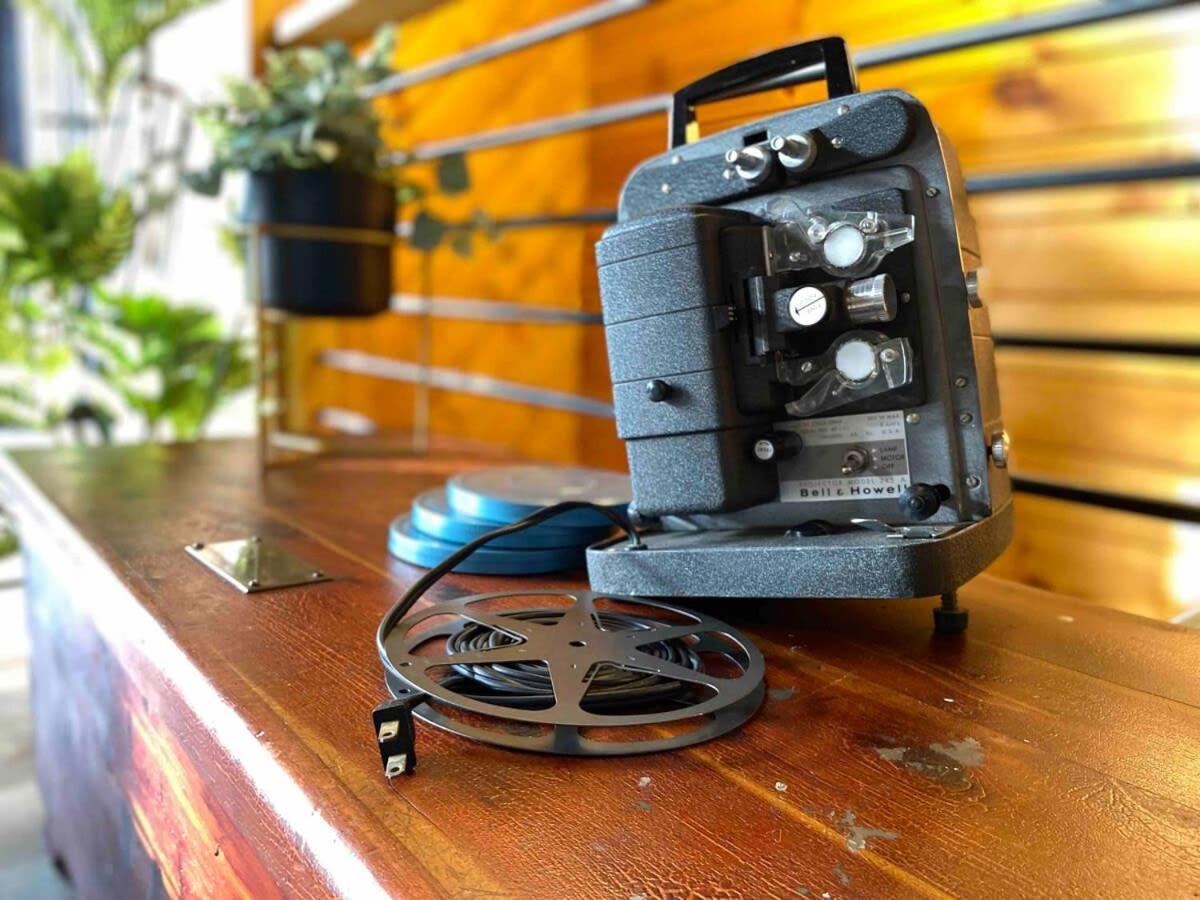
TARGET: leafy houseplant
(60,229)
(310,141)
(169,362)
(104,37)
(61,232)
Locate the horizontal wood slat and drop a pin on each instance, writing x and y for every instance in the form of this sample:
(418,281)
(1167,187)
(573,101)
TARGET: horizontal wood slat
(1111,263)
(1142,565)
(1123,423)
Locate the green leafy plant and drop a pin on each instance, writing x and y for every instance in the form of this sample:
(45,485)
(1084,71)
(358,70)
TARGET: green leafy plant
(62,232)
(307,112)
(310,111)
(169,362)
(104,36)
(60,227)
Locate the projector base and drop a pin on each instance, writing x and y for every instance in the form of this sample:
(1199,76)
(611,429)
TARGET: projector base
(767,564)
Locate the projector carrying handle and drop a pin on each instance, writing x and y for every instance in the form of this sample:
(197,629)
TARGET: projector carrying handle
(762,73)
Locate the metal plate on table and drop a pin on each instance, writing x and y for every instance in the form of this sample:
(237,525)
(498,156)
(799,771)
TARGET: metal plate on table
(253,564)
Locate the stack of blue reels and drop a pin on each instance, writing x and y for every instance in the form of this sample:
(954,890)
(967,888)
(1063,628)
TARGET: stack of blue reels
(472,504)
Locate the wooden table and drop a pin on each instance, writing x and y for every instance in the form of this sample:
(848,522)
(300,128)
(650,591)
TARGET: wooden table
(198,741)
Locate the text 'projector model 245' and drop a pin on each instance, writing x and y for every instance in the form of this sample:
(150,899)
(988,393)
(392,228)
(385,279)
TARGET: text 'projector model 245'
(802,368)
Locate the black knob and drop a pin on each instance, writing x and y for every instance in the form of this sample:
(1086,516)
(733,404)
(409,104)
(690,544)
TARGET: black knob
(777,445)
(920,501)
(657,390)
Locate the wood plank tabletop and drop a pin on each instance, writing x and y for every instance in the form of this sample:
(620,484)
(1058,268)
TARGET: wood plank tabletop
(1053,750)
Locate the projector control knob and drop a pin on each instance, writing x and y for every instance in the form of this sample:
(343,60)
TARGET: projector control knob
(999,449)
(776,446)
(808,306)
(920,501)
(752,164)
(796,151)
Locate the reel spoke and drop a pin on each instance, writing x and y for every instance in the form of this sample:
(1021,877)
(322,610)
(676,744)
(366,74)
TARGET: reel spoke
(662,633)
(569,686)
(499,622)
(668,669)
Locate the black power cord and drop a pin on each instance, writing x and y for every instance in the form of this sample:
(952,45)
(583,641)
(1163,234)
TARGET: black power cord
(521,685)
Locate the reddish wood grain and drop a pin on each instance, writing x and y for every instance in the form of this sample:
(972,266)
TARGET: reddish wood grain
(1053,751)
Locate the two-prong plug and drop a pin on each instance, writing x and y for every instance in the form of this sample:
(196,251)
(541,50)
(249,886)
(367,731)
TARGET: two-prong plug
(396,735)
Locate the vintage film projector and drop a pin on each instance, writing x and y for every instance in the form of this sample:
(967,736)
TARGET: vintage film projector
(802,366)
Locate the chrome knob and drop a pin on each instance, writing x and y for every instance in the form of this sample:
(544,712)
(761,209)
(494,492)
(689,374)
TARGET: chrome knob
(752,164)
(998,448)
(796,151)
(871,300)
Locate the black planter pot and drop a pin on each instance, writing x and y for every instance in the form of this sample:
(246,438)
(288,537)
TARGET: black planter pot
(323,277)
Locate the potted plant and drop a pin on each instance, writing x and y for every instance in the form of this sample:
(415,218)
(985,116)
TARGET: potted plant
(310,142)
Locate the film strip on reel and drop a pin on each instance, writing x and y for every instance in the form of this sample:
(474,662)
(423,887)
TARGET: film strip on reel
(575,672)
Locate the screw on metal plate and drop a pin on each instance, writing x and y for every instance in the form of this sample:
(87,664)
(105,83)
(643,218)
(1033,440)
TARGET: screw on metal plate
(252,564)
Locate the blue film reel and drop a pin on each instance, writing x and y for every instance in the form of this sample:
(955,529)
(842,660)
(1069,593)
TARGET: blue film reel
(410,545)
(433,516)
(511,493)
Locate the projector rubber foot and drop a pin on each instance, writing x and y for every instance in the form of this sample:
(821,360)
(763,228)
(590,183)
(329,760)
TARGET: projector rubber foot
(949,618)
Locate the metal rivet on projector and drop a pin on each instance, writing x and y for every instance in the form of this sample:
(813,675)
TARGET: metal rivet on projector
(657,390)
(972,481)
(931,192)
(837,141)
(666,188)
(912,418)
(843,109)
(966,418)
(960,381)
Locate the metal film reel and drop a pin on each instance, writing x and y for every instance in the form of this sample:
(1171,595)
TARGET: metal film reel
(593,661)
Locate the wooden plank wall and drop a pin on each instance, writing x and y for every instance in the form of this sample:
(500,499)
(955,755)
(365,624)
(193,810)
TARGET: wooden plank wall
(1114,263)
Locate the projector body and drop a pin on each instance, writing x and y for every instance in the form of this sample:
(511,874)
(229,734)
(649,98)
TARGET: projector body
(802,367)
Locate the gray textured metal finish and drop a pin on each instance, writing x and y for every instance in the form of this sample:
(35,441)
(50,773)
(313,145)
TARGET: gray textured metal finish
(571,650)
(701,472)
(944,451)
(778,564)
(670,344)
(698,401)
